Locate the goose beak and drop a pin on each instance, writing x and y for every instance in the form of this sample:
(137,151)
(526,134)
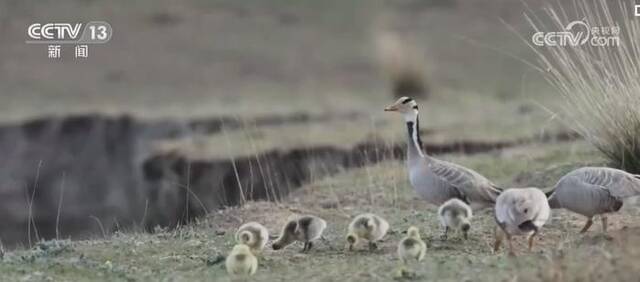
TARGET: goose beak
(391,108)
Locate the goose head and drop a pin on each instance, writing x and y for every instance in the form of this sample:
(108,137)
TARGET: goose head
(413,232)
(406,106)
(523,209)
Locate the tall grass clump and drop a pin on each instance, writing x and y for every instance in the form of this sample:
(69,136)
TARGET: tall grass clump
(600,84)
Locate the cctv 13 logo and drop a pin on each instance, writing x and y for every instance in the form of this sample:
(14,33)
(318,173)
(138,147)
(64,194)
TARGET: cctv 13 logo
(94,32)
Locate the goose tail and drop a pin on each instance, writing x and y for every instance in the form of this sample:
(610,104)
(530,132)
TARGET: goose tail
(495,191)
(553,201)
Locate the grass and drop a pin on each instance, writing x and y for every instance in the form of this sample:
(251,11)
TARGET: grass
(600,85)
(189,253)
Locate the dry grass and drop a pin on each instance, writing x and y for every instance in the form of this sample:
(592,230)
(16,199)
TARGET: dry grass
(600,85)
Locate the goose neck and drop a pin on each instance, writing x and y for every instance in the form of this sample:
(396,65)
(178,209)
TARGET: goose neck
(414,144)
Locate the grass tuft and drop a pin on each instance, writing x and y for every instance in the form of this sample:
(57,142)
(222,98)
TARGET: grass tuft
(600,84)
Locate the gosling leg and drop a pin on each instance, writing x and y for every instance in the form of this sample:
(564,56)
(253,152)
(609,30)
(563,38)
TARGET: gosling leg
(499,235)
(531,239)
(587,225)
(603,218)
(372,246)
(306,248)
(444,235)
(512,252)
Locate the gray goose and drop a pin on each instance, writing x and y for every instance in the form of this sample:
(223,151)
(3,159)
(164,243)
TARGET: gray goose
(520,212)
(591,191)
(437,181)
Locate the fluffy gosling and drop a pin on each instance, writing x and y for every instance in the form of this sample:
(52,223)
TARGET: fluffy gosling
(369,227)
(254,235)
(412,247)
(520,212)
(455,214)
(306,229)
(241,262)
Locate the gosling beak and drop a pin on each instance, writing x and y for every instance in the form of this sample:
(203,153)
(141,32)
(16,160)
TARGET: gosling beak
(391,108)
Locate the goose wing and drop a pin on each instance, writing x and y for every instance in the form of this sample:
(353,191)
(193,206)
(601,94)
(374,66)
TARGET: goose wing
(470,183)
(620,184)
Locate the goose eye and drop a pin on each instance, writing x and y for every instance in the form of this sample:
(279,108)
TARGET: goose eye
(526,210)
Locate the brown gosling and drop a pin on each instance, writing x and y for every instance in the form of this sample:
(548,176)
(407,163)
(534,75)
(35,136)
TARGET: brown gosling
(369,227)
(520,212)
(306,229)
(241,262)
(455,214)
(254,235)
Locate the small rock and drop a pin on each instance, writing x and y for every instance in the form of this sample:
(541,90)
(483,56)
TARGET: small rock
(193,243)
(329,205)
(220,232)
(215,259)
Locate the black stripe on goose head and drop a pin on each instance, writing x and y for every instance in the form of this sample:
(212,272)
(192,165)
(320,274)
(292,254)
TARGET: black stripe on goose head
(406,100)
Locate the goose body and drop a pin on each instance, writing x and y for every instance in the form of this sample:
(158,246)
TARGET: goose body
(591,191)
(254,235)
(369,227)
(241,262)
(306,229)
(455,214)
(437,181)
(520,212)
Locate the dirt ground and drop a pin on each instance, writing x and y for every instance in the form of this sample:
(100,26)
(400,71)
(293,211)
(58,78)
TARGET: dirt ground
(194,252)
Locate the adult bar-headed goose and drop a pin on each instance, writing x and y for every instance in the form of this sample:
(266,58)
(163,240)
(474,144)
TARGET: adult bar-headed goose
(591,191)
(435,180)
(520,212)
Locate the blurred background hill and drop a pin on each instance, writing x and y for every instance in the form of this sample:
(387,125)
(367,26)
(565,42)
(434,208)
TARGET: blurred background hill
(251,58)
(195,95)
